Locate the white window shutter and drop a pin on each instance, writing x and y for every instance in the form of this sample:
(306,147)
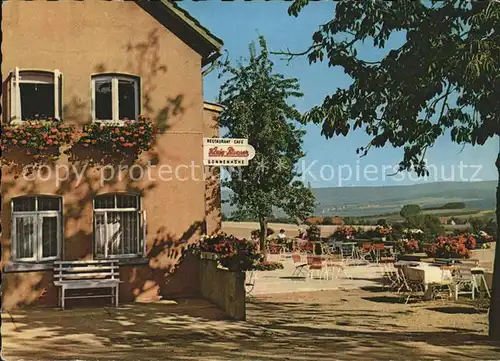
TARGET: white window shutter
(92,97)
(17,95)
(61,115)
(57,78)
(115,99)
(11,116)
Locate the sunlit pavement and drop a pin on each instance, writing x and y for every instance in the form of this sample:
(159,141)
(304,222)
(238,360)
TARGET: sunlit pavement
(354,324)
(281,281)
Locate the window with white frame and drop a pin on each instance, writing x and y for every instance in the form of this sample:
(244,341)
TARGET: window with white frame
(36,228)
(119,226)
(115,98)
(33,95)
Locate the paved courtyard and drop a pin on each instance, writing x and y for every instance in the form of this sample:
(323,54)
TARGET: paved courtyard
(356,324)
(295,319)
(281,281)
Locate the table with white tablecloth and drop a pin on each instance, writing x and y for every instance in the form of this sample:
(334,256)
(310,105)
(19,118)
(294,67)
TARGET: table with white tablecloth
(427,274)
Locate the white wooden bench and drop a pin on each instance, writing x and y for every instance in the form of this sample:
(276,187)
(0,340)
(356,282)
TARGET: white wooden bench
(73,275)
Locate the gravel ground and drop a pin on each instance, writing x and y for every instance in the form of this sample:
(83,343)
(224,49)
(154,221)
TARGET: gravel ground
(365,324)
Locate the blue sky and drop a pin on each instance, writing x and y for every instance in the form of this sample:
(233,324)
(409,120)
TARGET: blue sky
(239,23)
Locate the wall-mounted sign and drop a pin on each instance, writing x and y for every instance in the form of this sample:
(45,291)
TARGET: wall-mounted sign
(222,152)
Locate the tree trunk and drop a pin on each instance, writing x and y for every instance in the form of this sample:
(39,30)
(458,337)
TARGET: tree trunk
(494,316)
(263,234)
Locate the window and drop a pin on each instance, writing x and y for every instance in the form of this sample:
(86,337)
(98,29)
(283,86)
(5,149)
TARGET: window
(33,95)
(119,226)
(36,228)
(115,97)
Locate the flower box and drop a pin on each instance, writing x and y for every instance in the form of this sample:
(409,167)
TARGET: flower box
(230,252)
(128,139)
(37,140)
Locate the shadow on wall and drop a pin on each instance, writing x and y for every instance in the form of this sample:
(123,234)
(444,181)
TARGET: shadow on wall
(167,250)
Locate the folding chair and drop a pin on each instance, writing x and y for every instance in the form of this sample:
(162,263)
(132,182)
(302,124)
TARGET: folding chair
(366,252)
(338,266)
(391,276)
(318,266)
(413,287)
(250,283)
(347,253)
(300,266)
(378,250)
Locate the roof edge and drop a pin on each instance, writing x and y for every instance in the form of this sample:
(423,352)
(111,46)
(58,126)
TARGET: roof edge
(191,21)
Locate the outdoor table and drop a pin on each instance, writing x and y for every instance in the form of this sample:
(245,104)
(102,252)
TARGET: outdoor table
(406,263)
(430,276)
(378,252)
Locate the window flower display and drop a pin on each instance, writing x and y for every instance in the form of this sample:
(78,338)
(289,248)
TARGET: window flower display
(130,138)
(40,140)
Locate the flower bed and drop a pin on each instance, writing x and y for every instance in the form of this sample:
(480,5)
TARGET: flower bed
(452,247)
(381,232)
(233,253)
(406,246)
(344,233)
(41,140)
(132,137)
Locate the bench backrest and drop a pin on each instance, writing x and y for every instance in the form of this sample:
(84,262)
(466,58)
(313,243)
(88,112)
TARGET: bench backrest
(86,270)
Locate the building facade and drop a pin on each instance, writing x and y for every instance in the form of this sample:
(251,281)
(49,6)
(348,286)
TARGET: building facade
(107,62)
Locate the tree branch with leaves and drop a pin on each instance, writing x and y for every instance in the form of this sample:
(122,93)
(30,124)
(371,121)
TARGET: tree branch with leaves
(444,79)
(256,107)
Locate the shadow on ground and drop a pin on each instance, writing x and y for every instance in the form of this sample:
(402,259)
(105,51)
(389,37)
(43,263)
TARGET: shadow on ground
(329,325)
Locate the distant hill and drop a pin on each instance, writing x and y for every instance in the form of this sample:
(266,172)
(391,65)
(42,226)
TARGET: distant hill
(369,201)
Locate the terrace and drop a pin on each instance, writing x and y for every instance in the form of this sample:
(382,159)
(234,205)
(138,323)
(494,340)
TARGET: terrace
(357,324)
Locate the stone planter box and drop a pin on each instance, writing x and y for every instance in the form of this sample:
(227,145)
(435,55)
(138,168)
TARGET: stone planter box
(222,287)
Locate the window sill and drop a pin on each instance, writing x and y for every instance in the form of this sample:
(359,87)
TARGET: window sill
(28,267)
(49,265)
(112,123)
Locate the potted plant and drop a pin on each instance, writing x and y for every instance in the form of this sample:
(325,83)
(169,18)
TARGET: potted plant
(232,253)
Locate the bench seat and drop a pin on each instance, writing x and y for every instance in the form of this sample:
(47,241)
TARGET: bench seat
(81,275)
(87,284)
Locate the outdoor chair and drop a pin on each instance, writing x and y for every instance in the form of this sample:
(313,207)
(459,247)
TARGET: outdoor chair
(378,250)
(463,282)
(318,266)
(403,286)
(413,287)
(282,254)
(325,250)
(391,276)
(300,266)
(250,283)
(366,252)
(337,266)
(347,253)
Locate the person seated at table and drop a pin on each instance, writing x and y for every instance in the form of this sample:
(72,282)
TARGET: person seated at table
(282,235)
